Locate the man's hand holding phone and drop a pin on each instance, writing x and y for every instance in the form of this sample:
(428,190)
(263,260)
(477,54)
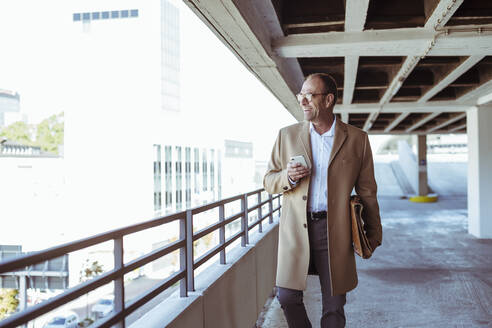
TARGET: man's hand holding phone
(297,168)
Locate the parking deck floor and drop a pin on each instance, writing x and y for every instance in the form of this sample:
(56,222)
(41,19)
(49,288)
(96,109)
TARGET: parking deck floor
(429,272)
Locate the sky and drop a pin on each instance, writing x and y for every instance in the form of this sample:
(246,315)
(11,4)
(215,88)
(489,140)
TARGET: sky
(216,89)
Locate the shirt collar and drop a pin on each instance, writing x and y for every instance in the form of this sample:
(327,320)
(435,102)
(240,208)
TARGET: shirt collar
(329,133)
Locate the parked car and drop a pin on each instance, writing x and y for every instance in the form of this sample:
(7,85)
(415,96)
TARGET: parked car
(64,320)
(103,307)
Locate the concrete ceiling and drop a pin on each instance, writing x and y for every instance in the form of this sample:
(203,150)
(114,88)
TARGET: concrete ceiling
(401,66)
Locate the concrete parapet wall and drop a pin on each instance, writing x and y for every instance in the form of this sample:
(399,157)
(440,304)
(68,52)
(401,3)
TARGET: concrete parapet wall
(230,295)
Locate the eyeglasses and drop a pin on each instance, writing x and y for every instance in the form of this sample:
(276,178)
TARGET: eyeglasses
(308,96)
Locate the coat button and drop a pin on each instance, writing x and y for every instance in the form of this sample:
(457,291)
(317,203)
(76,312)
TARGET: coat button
(304,197)
(285,188)
(305,225)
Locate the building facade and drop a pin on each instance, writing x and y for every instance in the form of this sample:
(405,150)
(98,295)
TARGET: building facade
(9,103)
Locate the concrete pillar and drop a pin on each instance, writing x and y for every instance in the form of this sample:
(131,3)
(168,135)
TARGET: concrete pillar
(422,162)
(478,123)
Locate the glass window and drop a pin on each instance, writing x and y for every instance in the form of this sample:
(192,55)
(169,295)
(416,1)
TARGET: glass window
(115,14)
(105,14)
(96,15)
(204,169)
(86,16)
(124,13)
(134,13)
(76,17)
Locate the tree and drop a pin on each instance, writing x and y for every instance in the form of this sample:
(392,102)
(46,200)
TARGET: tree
(89,271)
(19,132)
(8,302)
(50,133)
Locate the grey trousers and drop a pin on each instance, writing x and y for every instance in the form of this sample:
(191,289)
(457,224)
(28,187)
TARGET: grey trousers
(333,315)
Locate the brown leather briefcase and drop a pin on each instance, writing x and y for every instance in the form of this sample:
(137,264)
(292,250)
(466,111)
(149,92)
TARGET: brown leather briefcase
(359,238)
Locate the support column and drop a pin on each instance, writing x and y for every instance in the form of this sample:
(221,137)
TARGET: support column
(478,123)
(422,163)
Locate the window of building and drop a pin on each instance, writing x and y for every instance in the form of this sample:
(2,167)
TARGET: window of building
(196,169)
(134,13)
(219,175)
(157,178)
(76,17)
(168,176)
(96,15)
(212,170)
(188,176)
(115,14)
(124,13)
(179,179)
(86,16)
(105,15)
(204,169)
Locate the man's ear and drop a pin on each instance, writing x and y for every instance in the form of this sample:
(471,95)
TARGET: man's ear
(330,98)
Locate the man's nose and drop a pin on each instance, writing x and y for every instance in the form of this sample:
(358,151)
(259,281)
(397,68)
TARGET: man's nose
(304,101)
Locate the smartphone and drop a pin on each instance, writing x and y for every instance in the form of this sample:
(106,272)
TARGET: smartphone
(299,159)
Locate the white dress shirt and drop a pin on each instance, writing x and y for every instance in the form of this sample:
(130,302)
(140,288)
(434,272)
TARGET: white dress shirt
(321,146)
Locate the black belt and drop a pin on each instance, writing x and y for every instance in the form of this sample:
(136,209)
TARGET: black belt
(315,216)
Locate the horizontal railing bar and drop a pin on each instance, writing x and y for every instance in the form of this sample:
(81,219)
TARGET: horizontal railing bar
(232,218)
(254,192)
(254,224)
(154,255)
(36,273)
(207,207)
(207,230)
(141,300)
(59,300)
(275,210)
(257,221)
(258,205)
(216,226)
(57,251)
(205,257)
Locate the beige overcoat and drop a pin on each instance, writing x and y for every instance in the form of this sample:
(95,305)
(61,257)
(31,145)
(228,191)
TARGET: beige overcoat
(350,165)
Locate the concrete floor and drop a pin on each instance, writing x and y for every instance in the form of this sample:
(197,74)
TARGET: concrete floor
(429,272)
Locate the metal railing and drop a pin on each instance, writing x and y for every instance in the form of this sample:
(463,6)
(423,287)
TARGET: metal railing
(185,275)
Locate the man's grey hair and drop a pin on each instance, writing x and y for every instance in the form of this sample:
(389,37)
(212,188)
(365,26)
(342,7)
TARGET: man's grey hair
(329,83)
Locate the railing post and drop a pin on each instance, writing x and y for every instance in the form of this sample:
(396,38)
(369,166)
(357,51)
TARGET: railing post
(183,292)
(222,234)
(270,208)
(189,251)
(244,220)
(279,208)
(260,228)
(119,287)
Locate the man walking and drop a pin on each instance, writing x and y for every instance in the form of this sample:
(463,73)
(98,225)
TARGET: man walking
(315,226)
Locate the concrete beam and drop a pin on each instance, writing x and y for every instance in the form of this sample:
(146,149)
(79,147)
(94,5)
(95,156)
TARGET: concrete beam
(393,42)
(395,122)
(345,117)
(476,93)
(403,107)
(355,19)
(440,15)
(447,122)
(355,15)
(457,128)
(451,77)
(422,121)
